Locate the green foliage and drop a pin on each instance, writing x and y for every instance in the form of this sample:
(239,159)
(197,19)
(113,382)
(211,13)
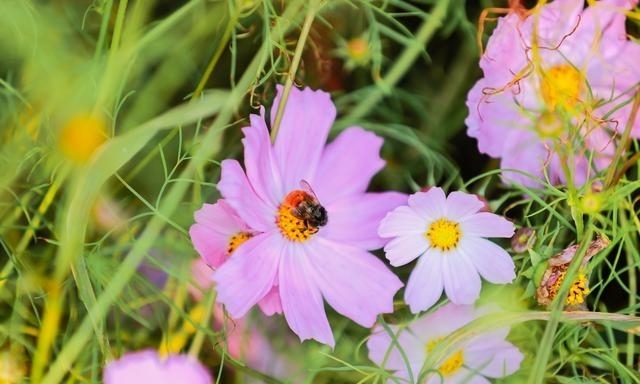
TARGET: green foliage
(174,82)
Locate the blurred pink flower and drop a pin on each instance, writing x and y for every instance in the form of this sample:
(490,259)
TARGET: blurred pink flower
(448,235)
(148,367)
(300,260)
(264,345)
(557,85)
(482,356)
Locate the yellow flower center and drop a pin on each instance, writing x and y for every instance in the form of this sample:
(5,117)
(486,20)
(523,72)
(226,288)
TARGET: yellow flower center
(561,87)
(292,227)
(81,136)
(577,292)
(236,240)
(452,364)
(444,234)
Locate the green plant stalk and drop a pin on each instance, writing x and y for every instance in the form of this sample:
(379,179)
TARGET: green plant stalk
(385,84)
(76,343)
(544,352)
(198,339)
(633,287)
(104,26)
(35,223)
(295,63)
(49,326)
(624,143)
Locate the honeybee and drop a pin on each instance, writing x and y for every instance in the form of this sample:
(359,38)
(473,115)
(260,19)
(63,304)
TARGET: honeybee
(305,206)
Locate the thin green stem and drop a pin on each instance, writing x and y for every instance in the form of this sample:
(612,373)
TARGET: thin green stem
(49,326)
(198,339)
(312,9)
(624,143)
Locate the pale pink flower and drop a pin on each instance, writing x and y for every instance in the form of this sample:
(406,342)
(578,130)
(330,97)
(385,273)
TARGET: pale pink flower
(447,234)
(557,87)
(478,358)
(303,262)
(149,367)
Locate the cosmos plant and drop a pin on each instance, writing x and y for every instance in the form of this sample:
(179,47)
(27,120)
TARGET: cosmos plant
(556,94)
(311,221)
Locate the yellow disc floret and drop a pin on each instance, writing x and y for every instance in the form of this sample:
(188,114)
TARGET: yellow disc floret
(292,227)
(452,364)
(444,234)
(236,240)
(577,292)
(561,86)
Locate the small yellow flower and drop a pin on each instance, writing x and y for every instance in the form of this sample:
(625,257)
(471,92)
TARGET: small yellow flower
(81,136)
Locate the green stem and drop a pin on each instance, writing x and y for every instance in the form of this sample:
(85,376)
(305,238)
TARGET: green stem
(624,143)
(49,326)
(198,339)
(295,63)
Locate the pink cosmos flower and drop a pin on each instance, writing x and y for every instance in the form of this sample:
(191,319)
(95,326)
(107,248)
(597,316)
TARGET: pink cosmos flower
(556,91)
(148,367)
(300,253)
(447,234)
(482,356)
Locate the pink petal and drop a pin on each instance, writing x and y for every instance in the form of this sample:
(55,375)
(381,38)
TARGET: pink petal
(463,375)
(303,131)
(443,321)
(492,262)
(220,217)
(402,250)
(460,205)
(347,165)
(302,302)
(271,304)
(402,221)
(234,186)
(461,280)
(354,220)
(354,282)
(486,224)
(249,275)
(501,359)
(211,246)
(260,163)
(148,367)
(425,284)
(429,205)
(385,351)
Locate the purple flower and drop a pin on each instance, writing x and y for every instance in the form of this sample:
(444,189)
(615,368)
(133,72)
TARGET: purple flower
(308,245)
(447,234)
(148,367)
(482,356)
(556,91)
